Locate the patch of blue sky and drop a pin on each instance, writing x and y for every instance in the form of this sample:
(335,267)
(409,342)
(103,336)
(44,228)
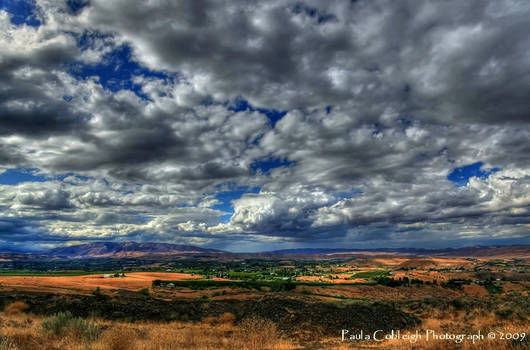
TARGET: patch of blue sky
(143,218)
(377,129)
(460,176)
(185,205)
(266,165)
(240,105)
(226,218)
(226,197)
(15,176)
(77,5)
(313,12)
(116,71)
(21,12)
(347,195)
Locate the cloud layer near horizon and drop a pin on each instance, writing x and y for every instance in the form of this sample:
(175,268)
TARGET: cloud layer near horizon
(259,125)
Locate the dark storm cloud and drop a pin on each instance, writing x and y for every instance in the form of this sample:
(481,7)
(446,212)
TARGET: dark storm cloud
(13,230)
(26,105)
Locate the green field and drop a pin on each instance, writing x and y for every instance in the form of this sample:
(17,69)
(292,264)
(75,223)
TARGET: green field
(371,274)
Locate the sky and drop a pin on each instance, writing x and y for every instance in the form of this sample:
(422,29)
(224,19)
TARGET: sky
(261,125)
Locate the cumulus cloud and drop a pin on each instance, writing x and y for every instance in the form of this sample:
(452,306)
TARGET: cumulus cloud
(142,114)
(441,60)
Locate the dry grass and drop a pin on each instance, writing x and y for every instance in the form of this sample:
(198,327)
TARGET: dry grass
(20,331)
(87,283)
(119,337)
(25,332)
(15,308)
(256,333)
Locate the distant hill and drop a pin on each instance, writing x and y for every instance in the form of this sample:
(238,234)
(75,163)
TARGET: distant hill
(473,251)
(125,249)
(133,249)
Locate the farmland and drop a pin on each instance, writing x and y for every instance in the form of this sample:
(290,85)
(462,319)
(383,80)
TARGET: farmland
(306,301)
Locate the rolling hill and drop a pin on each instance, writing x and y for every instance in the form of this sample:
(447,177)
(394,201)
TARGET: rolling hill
(126,249)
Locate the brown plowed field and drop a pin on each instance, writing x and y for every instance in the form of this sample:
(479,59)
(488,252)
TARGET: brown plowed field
(66,284)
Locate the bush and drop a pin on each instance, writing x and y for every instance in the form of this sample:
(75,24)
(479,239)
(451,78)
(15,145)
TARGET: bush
(156,283)
(97,293)
(455,283)
(85,329)
(63,323)
(227,318)
(119,338)
(144,291)
(390,282)
(493,288)
(505,313)
(259,334)
(57,324)
(17,307)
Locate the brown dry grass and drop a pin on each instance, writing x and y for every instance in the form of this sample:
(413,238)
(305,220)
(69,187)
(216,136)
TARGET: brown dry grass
(15,308)
(475,290)
(24,332)
(66,284)
(378,292)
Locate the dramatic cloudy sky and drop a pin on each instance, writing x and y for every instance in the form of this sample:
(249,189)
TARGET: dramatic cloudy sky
(256,125)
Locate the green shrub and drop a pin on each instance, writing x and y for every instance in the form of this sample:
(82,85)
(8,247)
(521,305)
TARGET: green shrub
(84,328)
(57,324)
(64,322)
(156,283)
(97,293)
(371,274)
(493,288)
(144,291)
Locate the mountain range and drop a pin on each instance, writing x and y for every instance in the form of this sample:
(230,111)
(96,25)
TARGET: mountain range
(125,249)
(133,249)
